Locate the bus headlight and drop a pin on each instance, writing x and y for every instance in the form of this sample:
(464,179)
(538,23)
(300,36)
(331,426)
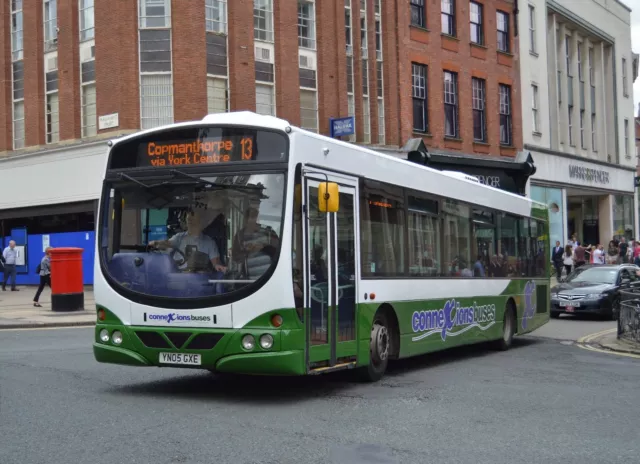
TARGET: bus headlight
(116,337)
(104,335)
(266,341)
(248,342)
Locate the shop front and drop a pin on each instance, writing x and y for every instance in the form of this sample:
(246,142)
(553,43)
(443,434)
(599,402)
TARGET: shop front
(49,198)
(595,201)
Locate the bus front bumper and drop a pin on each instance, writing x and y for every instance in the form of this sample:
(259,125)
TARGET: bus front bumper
(227,355)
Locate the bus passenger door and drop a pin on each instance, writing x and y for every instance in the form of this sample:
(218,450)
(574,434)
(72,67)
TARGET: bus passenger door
(331,277)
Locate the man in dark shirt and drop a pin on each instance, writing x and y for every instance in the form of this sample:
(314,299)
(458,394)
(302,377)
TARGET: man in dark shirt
(558,251)
(624,247)
(217,229)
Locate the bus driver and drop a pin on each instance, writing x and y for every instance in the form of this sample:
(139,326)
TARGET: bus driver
(191,243)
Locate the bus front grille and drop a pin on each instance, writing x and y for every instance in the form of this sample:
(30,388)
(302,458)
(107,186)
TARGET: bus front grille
(202,341)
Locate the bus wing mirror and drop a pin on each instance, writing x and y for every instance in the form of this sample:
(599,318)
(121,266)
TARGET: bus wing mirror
(328,197)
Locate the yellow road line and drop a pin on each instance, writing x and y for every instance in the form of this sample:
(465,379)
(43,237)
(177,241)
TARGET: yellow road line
(589,337)
(618,353)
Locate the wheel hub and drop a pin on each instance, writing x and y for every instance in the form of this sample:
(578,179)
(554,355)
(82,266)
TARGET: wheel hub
(379,343)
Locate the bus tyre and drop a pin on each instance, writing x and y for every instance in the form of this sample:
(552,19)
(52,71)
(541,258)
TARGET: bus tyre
(508,328)
(379,348)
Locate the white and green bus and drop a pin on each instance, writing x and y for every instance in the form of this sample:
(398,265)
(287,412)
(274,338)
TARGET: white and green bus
(242,244)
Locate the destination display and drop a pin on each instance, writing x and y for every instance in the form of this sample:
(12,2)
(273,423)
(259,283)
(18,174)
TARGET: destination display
(185,153)
(198,147)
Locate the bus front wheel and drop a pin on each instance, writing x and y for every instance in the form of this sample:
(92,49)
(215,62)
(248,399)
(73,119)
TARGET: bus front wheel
(379,349)
(508,327)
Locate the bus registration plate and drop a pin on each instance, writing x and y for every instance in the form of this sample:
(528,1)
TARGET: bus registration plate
(180,358)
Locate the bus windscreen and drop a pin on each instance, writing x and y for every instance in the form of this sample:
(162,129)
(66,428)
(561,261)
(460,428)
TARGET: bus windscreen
(200,146)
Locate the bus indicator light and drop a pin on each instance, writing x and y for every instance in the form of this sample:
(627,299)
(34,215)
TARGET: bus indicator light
(276,320)
(101,315)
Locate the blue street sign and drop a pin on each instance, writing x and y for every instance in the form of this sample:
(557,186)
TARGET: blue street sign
(342,126)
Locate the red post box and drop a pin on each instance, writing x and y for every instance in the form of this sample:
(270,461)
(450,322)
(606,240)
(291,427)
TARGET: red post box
(67,287)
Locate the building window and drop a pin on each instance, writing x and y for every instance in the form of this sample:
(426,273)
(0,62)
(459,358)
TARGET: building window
(216,16)
(17,43)
(451,104)
(626,137)
(365,76)
(532,29)
(351,111)
(50,25)
(88,92)
(475,13)
(155,14)
(366,116)
(419,93)
(309,109)
(534,108)
(306,25)
(156,80)
(625,86)
(448,17)
(594,146)
(87,24)
(263,20)
(217,95)
(265,99)
(592,78)
(506,136)
(567,52)
(156,96)
(347,28)
(378,40)
(17,74)
(570,121)
(381,123)
(363,36)
(502,19)
(418,14)
(53,108)
(582,140)
(376,6)
(478,89)
(580,75)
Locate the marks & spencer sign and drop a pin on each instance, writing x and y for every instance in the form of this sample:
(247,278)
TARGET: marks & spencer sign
(597,176)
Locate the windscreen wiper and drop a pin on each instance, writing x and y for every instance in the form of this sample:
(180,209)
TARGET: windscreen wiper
(150,188)
(175,172)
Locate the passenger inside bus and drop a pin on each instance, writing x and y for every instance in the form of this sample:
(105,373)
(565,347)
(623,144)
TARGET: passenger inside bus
(254,246)
(217,229)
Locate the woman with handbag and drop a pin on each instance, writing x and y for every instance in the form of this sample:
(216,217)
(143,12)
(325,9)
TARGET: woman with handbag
(45,275)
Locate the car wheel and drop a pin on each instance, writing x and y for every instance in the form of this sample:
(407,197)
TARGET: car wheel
(615,308)
(508,328)
(379,348)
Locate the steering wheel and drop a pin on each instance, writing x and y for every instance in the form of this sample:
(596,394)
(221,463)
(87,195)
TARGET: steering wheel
(180,261)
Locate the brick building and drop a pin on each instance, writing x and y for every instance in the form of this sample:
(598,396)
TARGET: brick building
(77,72)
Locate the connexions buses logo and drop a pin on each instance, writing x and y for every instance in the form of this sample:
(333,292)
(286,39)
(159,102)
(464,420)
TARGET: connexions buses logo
(452,316)
(530,302)
(174,317)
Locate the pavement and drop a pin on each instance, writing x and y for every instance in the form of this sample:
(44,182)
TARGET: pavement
(17,310)
(540,402)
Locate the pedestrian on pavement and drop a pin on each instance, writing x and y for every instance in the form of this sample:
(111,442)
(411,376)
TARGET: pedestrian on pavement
(45,275)
(556,257)
(568,258)
(598,254)
(579,257)
(10,255)
(623,247)
(612,253)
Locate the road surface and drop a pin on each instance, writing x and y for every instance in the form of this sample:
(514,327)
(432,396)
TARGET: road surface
(543,401)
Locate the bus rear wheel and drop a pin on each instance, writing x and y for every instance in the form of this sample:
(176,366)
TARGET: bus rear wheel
(379,349)
(508,328)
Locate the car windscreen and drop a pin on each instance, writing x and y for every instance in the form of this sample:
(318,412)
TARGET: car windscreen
(594,275)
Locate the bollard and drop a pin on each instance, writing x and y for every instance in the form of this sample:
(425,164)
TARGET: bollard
(67,288)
